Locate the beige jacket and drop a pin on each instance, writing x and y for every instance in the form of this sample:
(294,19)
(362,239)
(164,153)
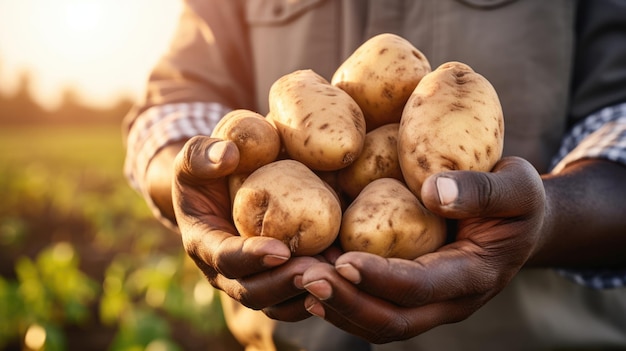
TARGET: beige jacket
(231,51)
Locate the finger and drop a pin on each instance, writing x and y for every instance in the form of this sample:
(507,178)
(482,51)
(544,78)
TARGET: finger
(331,254)
(231,255)
(321,281)
(292,310)
(285,283)
(378,324)
(203,158)
(200,187)
(453,272)
(323,309)
(372,318)
(513,188)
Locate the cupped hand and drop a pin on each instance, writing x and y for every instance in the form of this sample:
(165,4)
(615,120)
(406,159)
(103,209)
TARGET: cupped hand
(259,272)
(499,217)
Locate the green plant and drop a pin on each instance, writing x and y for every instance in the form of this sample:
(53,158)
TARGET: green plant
(50,291)
(82,256)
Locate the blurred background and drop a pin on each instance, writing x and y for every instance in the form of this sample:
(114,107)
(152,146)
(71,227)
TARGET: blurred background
(83,264)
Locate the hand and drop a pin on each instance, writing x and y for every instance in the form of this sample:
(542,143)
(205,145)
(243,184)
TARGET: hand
(500,215)
(243,268)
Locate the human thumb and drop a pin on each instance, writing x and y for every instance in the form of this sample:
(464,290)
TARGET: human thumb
(512,188)
(204,158)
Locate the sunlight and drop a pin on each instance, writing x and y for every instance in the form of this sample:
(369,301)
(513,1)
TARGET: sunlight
(101,48)
(35,337)
(63,252)
(203,293)
(82,16)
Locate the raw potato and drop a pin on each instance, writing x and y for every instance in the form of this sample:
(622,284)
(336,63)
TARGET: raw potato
(331,178)
(386,219)
(320,125)
(235,181)
(256,138)
(287,201)
(452,121)
(282,154)
(378,159)
(380,76)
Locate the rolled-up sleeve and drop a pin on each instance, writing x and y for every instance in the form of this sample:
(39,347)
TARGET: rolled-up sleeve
(205,73)
(161,125)
(602,135)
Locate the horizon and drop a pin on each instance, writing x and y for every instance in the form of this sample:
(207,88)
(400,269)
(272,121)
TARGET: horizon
(89,47)
(68,95)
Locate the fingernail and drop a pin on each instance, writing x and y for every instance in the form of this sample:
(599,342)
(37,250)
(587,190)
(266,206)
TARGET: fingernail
(349,272)
(447,190)
(297,281)
(274,260)
(216,151)
(320,289)
(314,307)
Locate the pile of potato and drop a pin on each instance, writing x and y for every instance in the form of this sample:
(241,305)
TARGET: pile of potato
(346,159)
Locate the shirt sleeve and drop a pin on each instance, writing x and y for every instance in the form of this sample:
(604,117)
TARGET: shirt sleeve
(205,73)
(159,126)
(602,135)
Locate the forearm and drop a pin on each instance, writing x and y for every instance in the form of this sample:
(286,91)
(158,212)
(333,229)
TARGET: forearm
(159,176)
(154,140)
(585,221)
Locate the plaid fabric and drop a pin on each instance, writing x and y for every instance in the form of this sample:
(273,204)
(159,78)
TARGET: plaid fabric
(600,135)
(596,279)
(162,125)
(158,127)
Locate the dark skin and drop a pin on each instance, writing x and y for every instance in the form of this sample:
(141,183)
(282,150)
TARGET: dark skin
(507,219)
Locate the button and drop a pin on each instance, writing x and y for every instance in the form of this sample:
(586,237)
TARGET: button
(486,3)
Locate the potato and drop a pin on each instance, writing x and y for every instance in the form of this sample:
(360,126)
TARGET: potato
(452,121)
(332,179)
(380,76)
(320,125)
(235,181)
(287,201)
(256,138)
(386,219)
(378,159)
(282,154)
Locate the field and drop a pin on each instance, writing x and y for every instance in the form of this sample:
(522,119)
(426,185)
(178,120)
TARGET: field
(83,264)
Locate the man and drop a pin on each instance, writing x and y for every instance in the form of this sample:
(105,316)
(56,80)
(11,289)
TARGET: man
(560,70)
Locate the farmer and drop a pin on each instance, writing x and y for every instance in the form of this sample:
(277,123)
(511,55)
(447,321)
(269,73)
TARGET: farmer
(542,262)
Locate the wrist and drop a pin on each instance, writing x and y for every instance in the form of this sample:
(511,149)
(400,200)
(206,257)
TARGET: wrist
(159,175)
(541,255)
(584,217)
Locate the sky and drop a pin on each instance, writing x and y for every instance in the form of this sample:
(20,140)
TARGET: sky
(103,49)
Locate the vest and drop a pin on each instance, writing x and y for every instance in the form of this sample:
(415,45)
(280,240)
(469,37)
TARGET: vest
(526,50)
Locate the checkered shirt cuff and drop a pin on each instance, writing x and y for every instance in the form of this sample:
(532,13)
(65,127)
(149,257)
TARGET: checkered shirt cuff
(602,135)
(162,125)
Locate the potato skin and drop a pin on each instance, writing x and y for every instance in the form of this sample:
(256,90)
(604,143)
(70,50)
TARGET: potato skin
(380,75)
(320,125)
(452,121)
(235,181)
(386,219)
(256,138)
(287,201)
(378,159)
